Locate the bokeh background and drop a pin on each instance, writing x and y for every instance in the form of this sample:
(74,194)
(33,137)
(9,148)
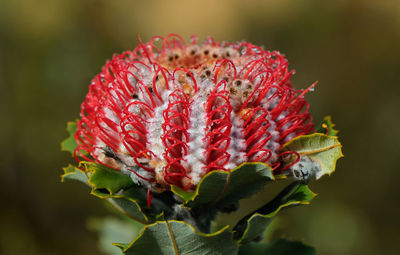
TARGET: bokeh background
(50,50)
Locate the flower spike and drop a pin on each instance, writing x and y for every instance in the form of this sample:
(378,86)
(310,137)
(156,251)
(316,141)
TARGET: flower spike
(169,114)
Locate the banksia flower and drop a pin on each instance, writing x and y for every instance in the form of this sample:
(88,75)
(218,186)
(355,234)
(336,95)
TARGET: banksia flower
(168,112)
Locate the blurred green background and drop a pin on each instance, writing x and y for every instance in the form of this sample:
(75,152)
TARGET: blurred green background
(50,50)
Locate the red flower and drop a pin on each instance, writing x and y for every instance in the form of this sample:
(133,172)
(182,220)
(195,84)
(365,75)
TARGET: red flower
(169,114)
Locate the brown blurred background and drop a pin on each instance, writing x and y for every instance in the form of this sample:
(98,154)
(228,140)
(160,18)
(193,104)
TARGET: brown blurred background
(50,50)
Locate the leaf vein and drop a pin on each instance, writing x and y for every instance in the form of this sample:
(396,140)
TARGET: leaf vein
(305,153)
(225,189)
(176,251)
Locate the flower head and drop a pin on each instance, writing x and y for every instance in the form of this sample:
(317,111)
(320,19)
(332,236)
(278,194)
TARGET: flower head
(168,112)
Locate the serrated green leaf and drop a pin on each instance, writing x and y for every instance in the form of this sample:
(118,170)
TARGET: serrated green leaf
(106,182)
(326,127)
(279,247)
(73,173)
(119,189)
(253,225)
(70,144)
(224,188)
(321,149)
(178,237)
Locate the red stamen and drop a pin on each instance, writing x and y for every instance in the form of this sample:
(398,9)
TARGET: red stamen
(149,197)
(219,64)
(129,92)
(291,164)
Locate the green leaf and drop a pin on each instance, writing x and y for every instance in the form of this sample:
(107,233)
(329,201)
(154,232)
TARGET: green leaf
(160,203)
(73,173)
(279,247)
(120,191)
(122,246)
(106,182)
(185,195)
(70,144)
(326,127)
(177,237)
(224,188)
(323,150)
(254,224)
(129,207)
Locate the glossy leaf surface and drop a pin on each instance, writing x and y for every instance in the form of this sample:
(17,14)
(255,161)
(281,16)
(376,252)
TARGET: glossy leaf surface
(224,188)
